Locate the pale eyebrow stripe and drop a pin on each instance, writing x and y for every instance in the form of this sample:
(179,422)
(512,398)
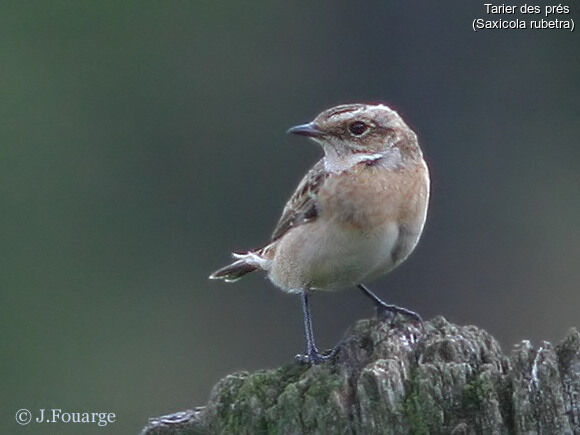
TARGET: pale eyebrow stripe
(346,110)
(346,114)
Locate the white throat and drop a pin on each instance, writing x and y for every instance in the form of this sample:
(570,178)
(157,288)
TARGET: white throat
(336,162)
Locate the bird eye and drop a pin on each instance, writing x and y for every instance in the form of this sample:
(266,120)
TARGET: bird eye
(357,128)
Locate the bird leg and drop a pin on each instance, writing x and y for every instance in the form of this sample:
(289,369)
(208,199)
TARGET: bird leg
(312,355)
(393,310)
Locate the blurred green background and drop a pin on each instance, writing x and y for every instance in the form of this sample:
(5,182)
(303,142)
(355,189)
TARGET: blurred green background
(141,142)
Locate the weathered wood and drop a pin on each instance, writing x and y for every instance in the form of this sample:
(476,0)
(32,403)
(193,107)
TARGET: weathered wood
(397,379)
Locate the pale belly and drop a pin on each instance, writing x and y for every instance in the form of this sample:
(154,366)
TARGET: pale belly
(330,257)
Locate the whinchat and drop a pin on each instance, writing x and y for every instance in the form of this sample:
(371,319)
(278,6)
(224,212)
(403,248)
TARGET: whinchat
(356,215)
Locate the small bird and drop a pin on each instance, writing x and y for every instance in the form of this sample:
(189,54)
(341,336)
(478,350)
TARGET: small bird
(356,215)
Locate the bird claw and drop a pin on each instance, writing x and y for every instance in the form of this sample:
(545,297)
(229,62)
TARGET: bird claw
(313,357)
(393,310)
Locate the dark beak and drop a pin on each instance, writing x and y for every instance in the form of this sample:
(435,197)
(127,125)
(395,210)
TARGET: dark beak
(310,130)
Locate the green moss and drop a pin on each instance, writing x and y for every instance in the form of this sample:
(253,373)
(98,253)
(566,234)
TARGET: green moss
(476,393)
(288,399)
(414,412)
(419,409)
(318,397)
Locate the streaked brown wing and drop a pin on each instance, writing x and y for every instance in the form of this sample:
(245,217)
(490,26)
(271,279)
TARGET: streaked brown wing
(301,207)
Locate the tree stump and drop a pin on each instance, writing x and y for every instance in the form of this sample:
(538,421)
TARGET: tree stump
(399,379)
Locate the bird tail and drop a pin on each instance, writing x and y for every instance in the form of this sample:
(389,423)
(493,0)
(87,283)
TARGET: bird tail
(233,272)
(244,264)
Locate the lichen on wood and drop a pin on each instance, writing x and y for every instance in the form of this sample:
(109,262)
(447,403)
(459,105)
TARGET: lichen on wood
(399,379)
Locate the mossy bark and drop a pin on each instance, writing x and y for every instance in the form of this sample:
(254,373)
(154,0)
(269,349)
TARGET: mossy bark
(398,379)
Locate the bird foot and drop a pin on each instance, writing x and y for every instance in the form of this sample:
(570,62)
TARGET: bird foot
(389,312)
(313,357)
